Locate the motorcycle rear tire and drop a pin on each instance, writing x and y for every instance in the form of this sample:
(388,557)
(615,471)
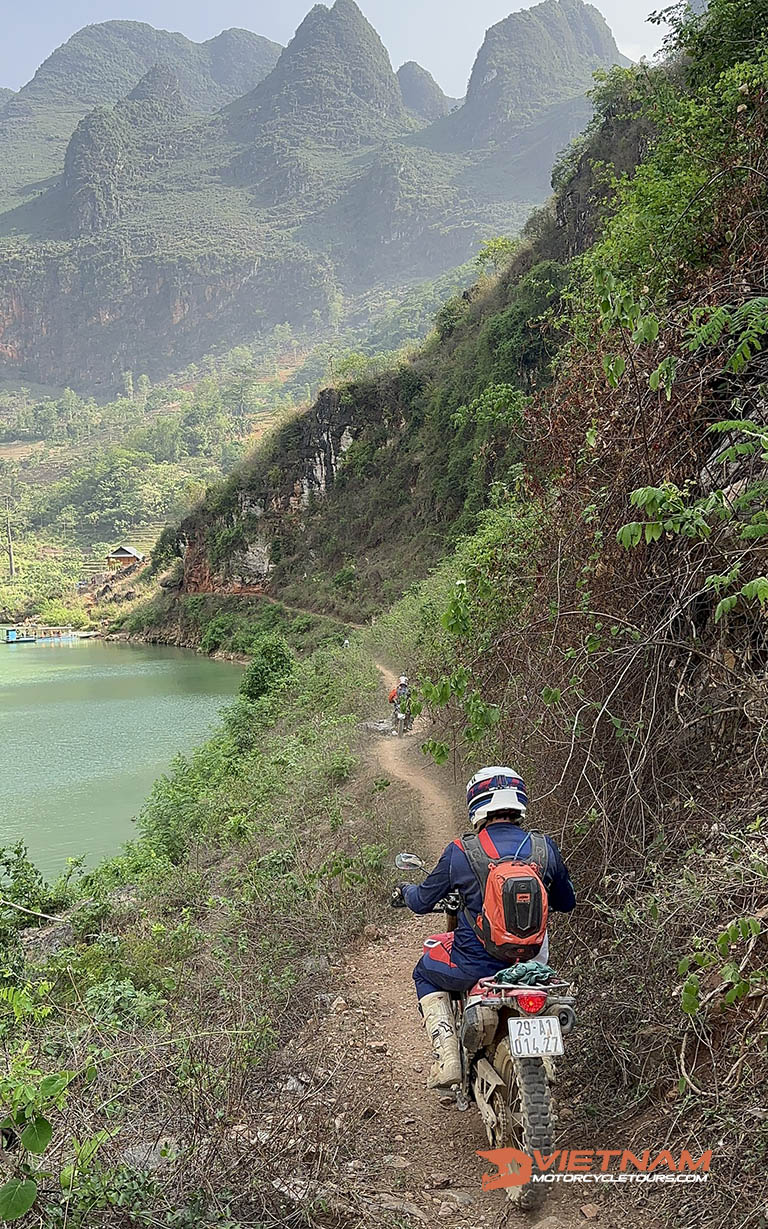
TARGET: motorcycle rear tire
(529,1099)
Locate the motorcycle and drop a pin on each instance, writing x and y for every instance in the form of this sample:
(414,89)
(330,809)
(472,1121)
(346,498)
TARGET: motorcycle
(509,1036)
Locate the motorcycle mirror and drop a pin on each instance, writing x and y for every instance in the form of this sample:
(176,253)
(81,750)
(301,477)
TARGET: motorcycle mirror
(408,862)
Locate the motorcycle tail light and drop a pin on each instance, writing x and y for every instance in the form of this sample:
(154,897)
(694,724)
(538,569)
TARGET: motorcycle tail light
(531,1003)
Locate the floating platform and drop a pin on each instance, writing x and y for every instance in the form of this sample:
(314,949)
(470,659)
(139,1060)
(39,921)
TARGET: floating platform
(33,633)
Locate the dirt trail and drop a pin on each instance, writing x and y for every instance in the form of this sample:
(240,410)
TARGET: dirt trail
(258,594)
(422,1152)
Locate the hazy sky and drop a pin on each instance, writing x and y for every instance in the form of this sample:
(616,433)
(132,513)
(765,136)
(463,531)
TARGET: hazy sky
(443,35)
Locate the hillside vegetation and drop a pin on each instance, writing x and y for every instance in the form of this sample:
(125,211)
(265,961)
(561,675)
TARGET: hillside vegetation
(558,511)
(98,66)
(79,474)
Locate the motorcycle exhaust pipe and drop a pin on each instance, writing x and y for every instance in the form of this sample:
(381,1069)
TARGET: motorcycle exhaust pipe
(567,1017)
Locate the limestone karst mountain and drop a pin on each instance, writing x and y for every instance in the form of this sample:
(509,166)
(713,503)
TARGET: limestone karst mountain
(161,198)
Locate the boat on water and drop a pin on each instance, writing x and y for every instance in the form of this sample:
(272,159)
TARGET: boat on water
(32,633)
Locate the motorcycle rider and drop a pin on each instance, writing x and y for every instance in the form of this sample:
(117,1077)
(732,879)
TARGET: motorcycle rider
(400,697)
(497,801)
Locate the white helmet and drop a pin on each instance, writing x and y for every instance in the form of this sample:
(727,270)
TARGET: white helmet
(492,790)
(403,680)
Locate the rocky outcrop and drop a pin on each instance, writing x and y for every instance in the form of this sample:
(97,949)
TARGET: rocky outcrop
(111,147)
(231,551)
(97,166)
(160,89)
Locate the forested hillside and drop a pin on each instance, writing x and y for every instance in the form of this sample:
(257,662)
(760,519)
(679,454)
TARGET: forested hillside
(149,231)
(97,67)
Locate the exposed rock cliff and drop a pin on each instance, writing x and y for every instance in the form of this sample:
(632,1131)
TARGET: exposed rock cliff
(232,551)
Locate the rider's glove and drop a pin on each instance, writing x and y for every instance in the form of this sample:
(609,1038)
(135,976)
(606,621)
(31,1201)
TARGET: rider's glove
(397,899)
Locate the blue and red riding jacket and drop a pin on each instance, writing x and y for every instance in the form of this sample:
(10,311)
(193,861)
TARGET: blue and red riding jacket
(453,873)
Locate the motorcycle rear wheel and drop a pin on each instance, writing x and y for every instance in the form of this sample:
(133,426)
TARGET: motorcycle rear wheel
(530,1115)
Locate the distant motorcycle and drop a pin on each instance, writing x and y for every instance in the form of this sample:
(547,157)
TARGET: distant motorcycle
(509,1036)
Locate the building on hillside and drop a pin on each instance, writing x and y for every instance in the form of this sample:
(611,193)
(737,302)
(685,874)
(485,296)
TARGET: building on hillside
(123,557)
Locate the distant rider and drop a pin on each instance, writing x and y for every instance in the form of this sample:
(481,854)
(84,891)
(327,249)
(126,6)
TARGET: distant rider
(497,802)
(400,697)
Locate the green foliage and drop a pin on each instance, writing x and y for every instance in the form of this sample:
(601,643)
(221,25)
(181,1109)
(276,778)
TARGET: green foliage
(670,510)
(16,1198)
(499,407)
(27,1098)
(450,317)
(272,666)
(716,36)
(23,1001)
(22,884)
(496,254)
(747,325)
(720,957)
(662,213)
(121,1003)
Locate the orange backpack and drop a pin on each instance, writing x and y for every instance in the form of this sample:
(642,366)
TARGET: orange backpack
(513,919)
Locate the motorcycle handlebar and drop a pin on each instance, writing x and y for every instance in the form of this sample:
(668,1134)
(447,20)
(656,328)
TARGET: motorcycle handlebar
(450,904)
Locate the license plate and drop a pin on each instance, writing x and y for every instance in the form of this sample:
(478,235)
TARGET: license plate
(537,1037)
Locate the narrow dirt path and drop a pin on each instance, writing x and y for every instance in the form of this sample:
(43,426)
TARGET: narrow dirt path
(422,1152)
(258,595)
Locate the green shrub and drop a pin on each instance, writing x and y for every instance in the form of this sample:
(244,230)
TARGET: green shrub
(121,1002)
(272,665)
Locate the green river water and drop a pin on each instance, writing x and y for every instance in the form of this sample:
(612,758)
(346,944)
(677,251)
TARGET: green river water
(85,729)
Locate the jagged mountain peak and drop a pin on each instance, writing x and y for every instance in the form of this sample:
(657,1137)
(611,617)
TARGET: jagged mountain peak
(531,61)
(556,45)
(350,29)
(101,62)
(421,93)
(348,8)
(334,82)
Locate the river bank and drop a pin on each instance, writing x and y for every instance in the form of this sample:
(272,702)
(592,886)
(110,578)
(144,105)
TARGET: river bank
(237,659)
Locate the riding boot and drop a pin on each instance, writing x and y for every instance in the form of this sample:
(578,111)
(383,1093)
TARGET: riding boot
(440,1024)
